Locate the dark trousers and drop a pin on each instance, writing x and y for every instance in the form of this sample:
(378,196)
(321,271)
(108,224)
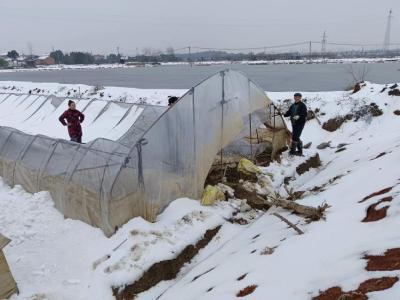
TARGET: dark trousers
(296,133)
(77,139)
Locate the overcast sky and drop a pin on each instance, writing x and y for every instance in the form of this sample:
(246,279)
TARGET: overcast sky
(99,26)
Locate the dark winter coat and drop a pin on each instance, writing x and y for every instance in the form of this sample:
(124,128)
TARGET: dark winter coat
(72,119)
(297,109)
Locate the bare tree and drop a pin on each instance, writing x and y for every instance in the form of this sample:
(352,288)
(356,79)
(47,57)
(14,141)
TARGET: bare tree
(358,75)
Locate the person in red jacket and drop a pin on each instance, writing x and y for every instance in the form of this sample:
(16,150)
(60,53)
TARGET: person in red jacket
(73,119)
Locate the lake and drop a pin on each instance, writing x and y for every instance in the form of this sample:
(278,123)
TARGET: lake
(302,77)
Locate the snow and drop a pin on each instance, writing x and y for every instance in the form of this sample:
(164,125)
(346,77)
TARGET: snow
(65,259)
(77,91)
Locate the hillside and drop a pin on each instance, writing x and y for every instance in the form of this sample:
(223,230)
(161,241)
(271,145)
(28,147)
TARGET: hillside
(351,252)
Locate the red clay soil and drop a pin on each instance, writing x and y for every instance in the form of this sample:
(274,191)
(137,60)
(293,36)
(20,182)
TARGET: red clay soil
(164,270)
(374,214)
(241,277)
(390,261)
(246,291)
(368,286)
(381,192)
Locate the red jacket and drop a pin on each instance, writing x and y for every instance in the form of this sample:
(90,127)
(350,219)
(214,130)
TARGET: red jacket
(73,118)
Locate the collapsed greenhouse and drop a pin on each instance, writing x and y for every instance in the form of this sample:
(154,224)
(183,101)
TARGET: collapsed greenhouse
(141,158)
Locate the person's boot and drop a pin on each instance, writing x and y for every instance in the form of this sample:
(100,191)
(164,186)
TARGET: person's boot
(293,148)
(300,148)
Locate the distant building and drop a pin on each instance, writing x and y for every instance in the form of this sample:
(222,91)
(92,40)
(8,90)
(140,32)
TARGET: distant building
(45,61)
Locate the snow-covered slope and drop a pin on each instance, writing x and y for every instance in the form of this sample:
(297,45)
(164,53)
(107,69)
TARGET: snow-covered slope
(129,95)
(53,258)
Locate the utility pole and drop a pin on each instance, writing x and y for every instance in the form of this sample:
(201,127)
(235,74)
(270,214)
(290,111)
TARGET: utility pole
(386,41)
(190,56)
(323,43)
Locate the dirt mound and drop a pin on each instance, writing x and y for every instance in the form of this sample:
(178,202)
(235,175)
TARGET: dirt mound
(365,111)
(357,87)
(246,291)
(230,174)
(394,92)
(312,162)
(389,261)
(333,124)
(381,192)
(368,286)
(374,214)
(164,270)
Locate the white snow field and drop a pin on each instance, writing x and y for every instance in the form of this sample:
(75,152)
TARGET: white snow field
(55,258)
(120,94)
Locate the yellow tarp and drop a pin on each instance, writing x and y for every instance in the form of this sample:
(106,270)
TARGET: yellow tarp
(211,194)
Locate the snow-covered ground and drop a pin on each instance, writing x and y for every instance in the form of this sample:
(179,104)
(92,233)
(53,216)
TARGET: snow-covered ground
(77,91)
(56,258)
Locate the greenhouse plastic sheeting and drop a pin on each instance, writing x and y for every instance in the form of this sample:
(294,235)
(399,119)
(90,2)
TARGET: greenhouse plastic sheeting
(164,155)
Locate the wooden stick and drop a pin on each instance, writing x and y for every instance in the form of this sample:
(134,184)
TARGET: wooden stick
(297,229)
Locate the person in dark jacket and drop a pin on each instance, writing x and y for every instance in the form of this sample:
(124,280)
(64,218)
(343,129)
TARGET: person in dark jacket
(73,119)
(298,116)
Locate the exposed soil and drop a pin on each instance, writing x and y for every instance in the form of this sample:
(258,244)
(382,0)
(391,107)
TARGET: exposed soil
(379,155)
(394,92)
(246,291)
(312,162)
(340,150)
(367,110)
(241,277)
(333,124)
(357,88)
(322,187)
(231,174)
(233,177)
(310,115)
(389,261)
(252,198)
(397,112)
(374,214)
(381,192)
(164,270)
(368,286)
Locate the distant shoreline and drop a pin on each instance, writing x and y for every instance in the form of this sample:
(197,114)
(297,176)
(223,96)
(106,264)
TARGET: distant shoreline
(204,63)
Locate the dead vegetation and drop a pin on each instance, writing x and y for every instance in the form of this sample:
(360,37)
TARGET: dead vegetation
(309,212)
